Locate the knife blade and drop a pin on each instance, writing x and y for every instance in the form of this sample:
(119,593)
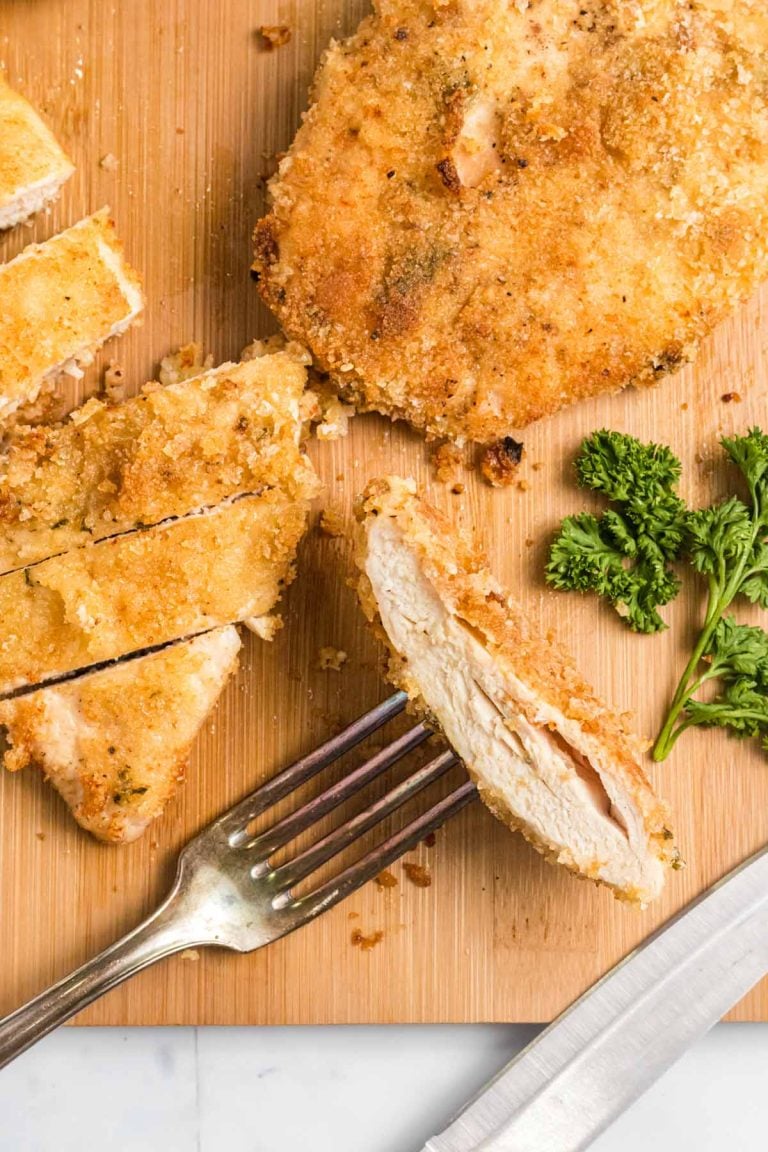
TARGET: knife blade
(605,1050)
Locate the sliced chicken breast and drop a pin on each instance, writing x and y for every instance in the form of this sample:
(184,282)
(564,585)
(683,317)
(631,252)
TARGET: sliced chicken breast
(549,758)
(148,588)
(61,301)
(116,743)
(168,452)
(33,166)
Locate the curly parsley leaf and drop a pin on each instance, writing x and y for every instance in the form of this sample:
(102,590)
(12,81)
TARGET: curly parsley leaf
(624,554)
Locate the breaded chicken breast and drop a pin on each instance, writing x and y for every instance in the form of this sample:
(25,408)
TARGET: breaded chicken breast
(147,588)
(59,302)
(116,743)
(166,453)
(494,208)
(33,166)
(549,758)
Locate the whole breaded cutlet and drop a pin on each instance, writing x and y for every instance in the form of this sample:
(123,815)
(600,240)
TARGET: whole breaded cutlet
(548,756)
(495,208)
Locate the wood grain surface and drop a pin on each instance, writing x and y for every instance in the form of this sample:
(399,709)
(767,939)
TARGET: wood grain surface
(194,108)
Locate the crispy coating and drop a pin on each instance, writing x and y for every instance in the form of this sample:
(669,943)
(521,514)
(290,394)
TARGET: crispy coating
(147,588)
(32,164)
(59,302)
(167,453)
(494,208)
(116,743)
(551,685)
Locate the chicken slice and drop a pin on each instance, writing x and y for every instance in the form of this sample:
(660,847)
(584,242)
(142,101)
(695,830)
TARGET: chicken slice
(548,757)
(116,743)
(33,166)
(168,452)
(142,590)
(61,301)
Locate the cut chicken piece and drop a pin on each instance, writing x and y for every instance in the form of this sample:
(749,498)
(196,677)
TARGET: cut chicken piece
(33,166)
(492,210)
(548,757)
(166,453)
(60,301)
(147,588)
(115,743)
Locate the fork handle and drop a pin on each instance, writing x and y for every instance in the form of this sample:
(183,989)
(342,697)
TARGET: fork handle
(161,934)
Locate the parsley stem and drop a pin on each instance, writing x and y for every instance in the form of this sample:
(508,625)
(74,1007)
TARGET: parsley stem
(721,593)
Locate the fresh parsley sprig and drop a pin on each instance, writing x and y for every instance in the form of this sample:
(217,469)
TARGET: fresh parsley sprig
(728,544)
(624,554)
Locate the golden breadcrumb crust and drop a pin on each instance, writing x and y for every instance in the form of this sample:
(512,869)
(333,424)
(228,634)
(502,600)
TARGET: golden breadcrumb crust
(29,152)
(461,578)
(116,743)
(61,300)
(492,210)
(166,453)
(147,588)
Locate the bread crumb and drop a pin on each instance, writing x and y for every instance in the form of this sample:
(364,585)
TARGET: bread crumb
(386,880)
(430,840)
(190,954)
(332,416)
(446,461)
(353,915)
(40,835)
(418,874)
(188,361)
(332,521)
(109,162)
(366,943)
(523,485)
(114,382)
(731,398)
(275,35)
(331,659)
(537,466)
(500,461)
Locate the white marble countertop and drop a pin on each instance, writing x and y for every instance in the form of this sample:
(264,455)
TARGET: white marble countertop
(337,1090)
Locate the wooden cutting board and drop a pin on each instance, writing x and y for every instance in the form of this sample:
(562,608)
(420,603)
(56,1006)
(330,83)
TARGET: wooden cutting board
(192,106)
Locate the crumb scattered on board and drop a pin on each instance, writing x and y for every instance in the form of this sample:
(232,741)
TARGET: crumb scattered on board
(366,943)
(386,879)
(500,461)
(418,874)
(731,398)
(331,659)
(190,954)
(109,162)
(275,35)
(182,365)
(430,840)
(114,382)
(332,521)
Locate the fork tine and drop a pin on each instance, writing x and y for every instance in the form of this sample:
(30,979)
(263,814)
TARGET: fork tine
(233,823)
(334,842)
(385,854)
(279,834)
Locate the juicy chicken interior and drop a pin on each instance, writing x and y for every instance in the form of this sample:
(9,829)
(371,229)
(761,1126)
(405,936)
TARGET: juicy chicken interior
(494,208)
(548,757)
(171,451)
(33,166)
(116,743)
(60,301)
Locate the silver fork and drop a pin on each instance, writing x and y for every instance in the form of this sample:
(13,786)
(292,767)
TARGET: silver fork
(228,893)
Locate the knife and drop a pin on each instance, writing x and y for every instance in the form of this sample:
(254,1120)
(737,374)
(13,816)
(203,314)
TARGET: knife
(604,1051)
